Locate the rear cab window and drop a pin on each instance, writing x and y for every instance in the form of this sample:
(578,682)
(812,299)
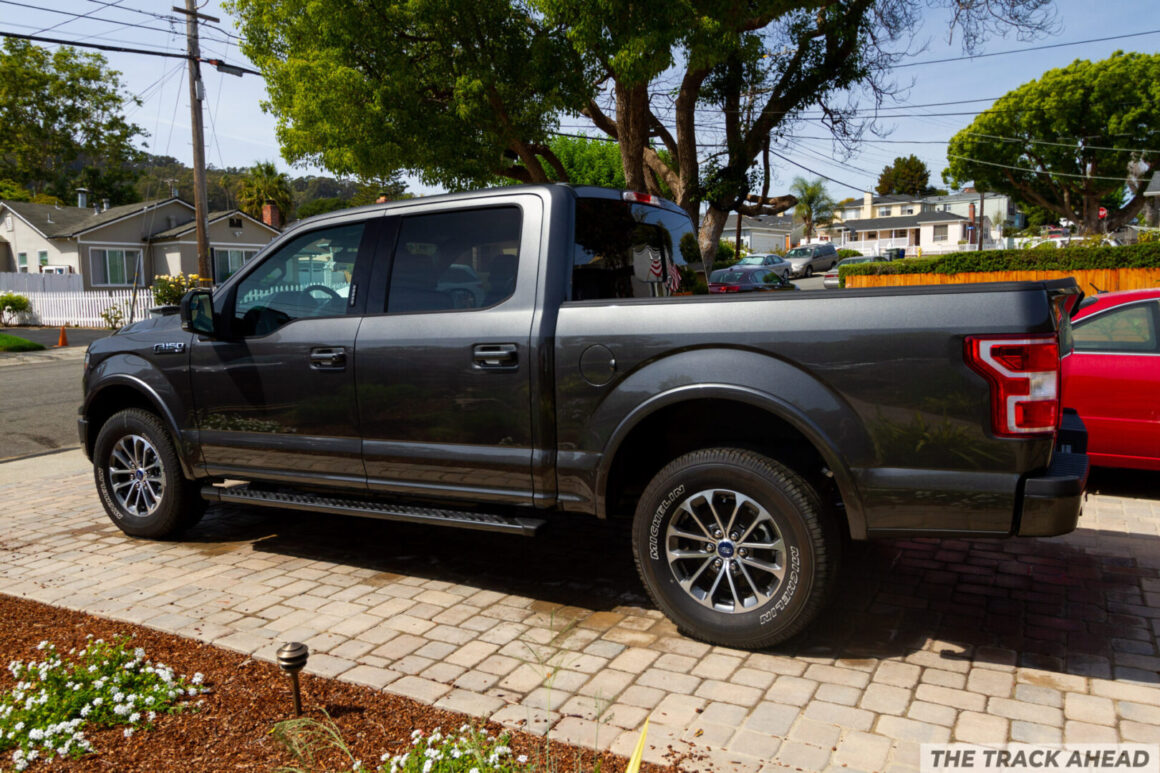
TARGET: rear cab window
(626,249)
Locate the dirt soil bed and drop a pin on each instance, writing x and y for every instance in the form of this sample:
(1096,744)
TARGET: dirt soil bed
(231,730)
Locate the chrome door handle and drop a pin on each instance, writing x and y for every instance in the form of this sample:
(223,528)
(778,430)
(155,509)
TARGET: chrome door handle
(495,356)
(328,358)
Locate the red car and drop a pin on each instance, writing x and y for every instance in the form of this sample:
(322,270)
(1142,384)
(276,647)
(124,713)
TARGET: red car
(1112,377)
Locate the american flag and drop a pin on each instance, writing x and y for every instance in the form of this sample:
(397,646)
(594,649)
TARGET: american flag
(674,282)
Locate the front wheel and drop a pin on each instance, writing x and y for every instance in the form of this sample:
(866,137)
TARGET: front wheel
(808,272)
(139,477)
(734,548)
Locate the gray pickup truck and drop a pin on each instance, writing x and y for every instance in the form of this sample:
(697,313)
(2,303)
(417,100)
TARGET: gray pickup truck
(499,359)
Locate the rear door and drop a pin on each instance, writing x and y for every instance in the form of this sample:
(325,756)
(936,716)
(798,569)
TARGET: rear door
(1111,378)
(443,364)
(276,398)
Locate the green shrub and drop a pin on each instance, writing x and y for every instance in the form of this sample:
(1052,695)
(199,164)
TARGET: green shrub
(848,254)
(169,290)
(1071,258)
(12,305)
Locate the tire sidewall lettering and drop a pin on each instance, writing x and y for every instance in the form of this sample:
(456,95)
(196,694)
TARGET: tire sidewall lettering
(658,519)
(787,588)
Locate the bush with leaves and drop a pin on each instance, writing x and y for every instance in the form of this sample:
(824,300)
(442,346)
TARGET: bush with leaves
(169,290)
(1071,258)
(12,305)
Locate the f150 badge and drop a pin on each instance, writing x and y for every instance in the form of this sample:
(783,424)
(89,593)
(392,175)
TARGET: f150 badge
(170,347)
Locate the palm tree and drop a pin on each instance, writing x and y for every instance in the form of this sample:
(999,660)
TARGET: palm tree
(265,183)
(814,207)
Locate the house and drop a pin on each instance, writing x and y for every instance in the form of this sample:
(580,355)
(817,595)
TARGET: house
(926,233)
(122,246)
(937,224)
(763,233)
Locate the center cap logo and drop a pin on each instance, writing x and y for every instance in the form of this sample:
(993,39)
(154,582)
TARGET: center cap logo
(725,549)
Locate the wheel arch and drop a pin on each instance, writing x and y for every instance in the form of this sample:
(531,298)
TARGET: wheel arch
(121,391)
(695,416)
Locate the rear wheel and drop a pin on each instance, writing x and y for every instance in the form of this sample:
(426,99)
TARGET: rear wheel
(734,548)
(139,477)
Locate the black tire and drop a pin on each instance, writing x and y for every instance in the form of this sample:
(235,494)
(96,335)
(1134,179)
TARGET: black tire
(770,503)
(809,271)
(139,477)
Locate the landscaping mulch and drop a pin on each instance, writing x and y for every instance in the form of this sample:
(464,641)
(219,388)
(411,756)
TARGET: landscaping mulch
(230,730)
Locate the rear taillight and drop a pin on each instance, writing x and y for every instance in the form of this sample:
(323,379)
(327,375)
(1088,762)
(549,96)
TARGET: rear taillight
(1024,377)
(640,198)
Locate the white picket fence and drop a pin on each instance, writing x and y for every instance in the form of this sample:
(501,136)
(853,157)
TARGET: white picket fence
(83,309)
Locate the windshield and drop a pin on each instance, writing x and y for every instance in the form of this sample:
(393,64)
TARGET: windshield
(725,275)
(798,252)
(753,260)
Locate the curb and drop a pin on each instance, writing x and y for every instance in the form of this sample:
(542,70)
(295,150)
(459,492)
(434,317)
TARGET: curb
(47,355)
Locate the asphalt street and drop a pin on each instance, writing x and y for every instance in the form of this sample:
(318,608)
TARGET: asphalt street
(49,336)
(39,409)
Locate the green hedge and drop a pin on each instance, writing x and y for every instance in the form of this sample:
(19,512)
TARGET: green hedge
(1060,259)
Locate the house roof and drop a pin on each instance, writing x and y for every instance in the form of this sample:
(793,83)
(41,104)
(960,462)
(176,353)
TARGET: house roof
(971,196)
(213,217)
(768,222)
(65,222)
(894,198)
(891,223)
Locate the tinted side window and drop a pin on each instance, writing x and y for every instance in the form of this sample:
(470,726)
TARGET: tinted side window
(308,277)
(625,250)
(1130,329)
(465,259)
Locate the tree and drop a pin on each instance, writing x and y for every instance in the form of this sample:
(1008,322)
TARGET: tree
(589,160)
(460,91)
(814,205)
(1070,141)
(62,123)
(265,183)
(907,175)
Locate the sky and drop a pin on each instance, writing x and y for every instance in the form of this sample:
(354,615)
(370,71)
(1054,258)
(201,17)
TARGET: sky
(238,133)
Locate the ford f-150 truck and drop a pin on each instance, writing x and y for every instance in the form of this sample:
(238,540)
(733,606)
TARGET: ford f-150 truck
(497,359)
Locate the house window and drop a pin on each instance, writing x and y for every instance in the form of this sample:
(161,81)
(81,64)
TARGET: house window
(235,222)
(870,235)
(940,233)
(884,212)
(115,267)
(908,211)
(42,257)
(22,262)
(227,261)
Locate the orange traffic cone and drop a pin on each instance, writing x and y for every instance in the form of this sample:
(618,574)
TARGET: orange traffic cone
(63,341)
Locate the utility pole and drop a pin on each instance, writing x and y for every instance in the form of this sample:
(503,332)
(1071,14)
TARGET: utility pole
(982,195)
(196,94)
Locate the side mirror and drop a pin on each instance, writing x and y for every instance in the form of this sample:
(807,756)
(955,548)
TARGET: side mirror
(197,312)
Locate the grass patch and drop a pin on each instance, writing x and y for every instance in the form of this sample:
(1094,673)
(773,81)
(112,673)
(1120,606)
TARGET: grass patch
(11,343)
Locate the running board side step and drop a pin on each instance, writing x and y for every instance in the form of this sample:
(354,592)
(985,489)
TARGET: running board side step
(390,511)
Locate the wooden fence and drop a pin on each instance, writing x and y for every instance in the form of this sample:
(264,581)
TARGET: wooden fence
(1111,279)
(83,309)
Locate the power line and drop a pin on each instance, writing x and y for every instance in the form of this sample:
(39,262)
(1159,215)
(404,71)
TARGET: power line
(1021,140)
(1023,50)
(121,49)
(66,21)
(1037,171)
(80,16)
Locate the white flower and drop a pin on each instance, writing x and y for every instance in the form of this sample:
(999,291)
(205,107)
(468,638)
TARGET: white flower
(128,732)
(416,733)
(139,653)
(42,645)
(522,759)
(428,765)
(197,678)
(97,701)
(135,717)
(36,734)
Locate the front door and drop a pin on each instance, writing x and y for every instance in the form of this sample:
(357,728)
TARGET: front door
(276,398)
(444,371)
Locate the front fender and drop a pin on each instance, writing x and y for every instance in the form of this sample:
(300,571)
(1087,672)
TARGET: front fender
(118,372)
(785,391)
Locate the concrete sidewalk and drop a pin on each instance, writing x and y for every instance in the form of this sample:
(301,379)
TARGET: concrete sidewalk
(929,641)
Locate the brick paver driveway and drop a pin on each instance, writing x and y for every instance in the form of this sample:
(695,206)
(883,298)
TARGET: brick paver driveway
(978,641)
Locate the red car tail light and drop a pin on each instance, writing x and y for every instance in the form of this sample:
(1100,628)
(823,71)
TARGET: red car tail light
(1024,377)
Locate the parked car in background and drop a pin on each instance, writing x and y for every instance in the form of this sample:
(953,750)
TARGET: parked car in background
(775,262)
(747,279)
(808,258)
(830,280)
(1112,377)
